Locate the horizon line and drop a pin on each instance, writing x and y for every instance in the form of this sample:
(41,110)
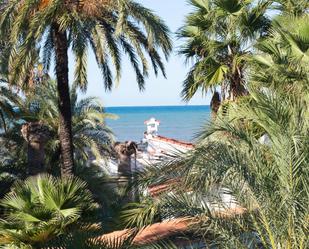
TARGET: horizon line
(123,106)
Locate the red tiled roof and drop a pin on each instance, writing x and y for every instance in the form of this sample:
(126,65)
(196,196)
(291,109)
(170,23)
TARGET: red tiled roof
(149,234)
(159,231)
(151,120)
(162,230)
(156,190)
(175,142)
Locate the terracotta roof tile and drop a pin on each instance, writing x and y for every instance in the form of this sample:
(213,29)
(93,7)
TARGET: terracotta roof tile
(175,142)
(159,231)
(149,234)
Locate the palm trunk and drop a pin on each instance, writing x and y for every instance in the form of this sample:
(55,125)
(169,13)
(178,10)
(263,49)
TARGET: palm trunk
(124,151)
(124,159)
(215,104)
(236,77)
(36,135)
(238,88)
(65,115)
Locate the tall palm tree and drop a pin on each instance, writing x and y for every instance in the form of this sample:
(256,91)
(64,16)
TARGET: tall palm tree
(218,37)
(50,27)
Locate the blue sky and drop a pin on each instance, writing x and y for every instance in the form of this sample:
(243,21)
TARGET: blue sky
(159,91)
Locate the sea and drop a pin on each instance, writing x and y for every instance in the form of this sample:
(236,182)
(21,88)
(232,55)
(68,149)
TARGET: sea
(178,122)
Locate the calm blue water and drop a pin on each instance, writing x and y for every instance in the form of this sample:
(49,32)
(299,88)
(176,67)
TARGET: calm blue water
(179,122)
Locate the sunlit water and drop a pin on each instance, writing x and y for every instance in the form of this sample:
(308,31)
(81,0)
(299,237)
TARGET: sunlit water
(179,122)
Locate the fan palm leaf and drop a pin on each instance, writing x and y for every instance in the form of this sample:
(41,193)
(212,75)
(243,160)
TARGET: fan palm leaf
(283,55)
(42,208)
(217,37)
(291,7)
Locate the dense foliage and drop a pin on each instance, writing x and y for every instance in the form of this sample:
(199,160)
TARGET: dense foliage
(41,208)
(91,135)
(244,185)
(218,38)
(45,30)
(246,182)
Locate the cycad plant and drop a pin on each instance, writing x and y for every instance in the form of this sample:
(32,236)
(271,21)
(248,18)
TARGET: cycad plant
(218,36)
(51,27)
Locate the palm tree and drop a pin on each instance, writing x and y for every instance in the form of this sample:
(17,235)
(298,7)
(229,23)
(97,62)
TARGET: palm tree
(12,163)
(8,99)
(50,27)
(12,159)
(38,119)
(291,7)
(48,212)
(282,59)
(263,197)
(257,154)
(218,37)
(40,209)
(91,136)
(36,135)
